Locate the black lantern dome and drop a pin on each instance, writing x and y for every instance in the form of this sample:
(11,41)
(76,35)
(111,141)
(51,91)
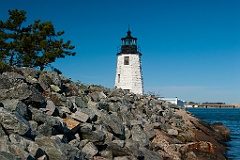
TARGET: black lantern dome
(129,44)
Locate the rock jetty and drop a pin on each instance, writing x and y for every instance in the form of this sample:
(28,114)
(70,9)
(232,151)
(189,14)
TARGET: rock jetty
(46,116)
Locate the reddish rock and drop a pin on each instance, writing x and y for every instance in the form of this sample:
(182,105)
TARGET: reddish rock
(222,129)
(72,124)
(199,146)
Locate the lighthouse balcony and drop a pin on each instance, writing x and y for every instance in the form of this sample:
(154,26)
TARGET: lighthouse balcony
(128,49)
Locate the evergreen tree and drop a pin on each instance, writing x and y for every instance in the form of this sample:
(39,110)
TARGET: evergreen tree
(10,36)
(37,45)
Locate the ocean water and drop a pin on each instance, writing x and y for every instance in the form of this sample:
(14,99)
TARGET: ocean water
(230,117)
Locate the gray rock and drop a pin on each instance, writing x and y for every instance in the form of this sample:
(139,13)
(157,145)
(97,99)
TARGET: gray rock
(80,116)
(106,154)
(89,112)
(18,90)
(35,150)
(109,137)
(114,99)
(136,122)
(125,158)
(121,143)
(102,95)
(134,148)
(114,107)
(128,133)
(149,131)
(21,91)
(43,83)
(172,132)
(51,108)
(176,121)
(57,124)
(80,103)
(35,96)
(113,124)
(86,127)
(118,126)
(125,108)
(51,147)
(74,142)
(13,75)
(103,106)
(129,99)
(150,155)
(59,97)
(15,105)
(83,143)
(63,109)
(37,115)
(69,103)
(4,139)
(8,156)
(118,92)
(90,149)
(50,78)
(54,149)
(116,150)
(95,96)
(93,107)
(71,152)
(32,81)
(47,130)
(155,118)
(87,132)
(30,72)
(2,133)
(19,140)
(5,84)
(16,150)
(13,122)
(158,125)
(139,135)
(125,120)
(58,138)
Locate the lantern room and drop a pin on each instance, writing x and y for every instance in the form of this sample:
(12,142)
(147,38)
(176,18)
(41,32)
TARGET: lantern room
(129,40)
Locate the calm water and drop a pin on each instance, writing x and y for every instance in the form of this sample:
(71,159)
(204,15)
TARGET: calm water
(230,118)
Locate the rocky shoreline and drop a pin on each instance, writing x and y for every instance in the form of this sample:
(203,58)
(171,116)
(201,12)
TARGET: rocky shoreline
(44,115)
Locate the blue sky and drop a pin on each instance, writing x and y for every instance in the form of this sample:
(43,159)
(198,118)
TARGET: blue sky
(190,49)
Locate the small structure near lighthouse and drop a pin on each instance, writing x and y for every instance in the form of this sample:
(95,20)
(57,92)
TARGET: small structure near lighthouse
(129,69)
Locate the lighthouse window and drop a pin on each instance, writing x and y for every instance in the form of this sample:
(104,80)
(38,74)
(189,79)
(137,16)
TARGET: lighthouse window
(126,60)
(118,78)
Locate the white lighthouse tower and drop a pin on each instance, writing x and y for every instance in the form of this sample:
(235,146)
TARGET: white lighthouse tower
(129,69)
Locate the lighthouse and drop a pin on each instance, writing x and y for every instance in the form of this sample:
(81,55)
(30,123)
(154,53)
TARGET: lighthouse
(129,69)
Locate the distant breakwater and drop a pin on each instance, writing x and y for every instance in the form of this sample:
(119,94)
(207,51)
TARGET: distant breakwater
(218,106)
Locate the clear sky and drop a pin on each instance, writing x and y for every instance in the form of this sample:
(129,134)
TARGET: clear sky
(190,48)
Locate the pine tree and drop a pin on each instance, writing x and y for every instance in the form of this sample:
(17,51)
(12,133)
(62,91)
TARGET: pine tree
(36,45)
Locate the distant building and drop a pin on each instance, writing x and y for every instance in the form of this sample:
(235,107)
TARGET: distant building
(175,100)
(193,105)
(129,69)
